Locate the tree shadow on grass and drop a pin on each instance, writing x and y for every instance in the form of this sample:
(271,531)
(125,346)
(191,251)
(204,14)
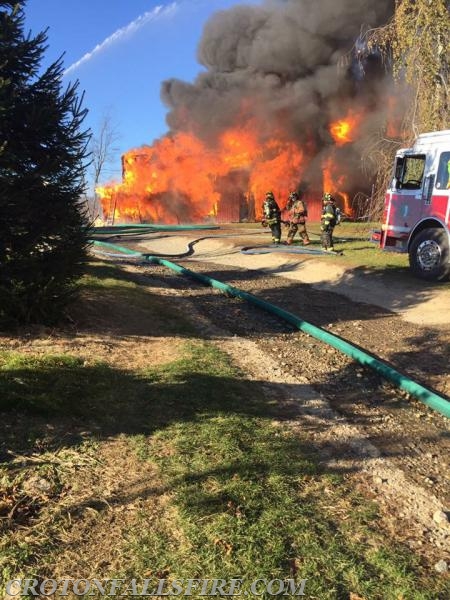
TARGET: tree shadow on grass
(57,401)
(223,457)
(104,401)
(97,272)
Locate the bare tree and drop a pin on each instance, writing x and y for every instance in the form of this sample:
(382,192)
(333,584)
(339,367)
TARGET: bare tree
(416,43)
(103,152)
(415,47)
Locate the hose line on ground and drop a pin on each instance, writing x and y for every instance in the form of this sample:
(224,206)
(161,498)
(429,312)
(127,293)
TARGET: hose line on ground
(415,389)
(151,227)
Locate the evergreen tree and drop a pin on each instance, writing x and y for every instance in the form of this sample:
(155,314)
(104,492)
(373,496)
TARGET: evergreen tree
(43,235)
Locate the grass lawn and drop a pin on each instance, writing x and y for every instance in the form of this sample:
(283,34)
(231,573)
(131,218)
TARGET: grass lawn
(177,468)
(354,240)
(359,253)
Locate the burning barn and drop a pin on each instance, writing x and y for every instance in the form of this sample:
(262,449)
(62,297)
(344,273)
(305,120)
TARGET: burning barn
(283,104)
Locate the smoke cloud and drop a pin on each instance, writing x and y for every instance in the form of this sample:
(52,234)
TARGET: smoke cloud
(289,97)
(286,65)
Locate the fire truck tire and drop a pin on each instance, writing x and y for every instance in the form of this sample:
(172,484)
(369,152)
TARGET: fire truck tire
(429,255)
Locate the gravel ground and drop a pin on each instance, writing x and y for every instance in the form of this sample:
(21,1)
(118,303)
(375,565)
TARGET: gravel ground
(395,448)
(398,449)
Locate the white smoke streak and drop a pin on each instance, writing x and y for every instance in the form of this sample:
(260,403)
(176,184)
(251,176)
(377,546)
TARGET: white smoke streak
(158,12)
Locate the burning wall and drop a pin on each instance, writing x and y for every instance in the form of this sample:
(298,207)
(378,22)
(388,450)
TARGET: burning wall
(283,103)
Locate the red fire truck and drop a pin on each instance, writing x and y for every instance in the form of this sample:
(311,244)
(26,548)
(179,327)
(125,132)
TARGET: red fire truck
(417,206)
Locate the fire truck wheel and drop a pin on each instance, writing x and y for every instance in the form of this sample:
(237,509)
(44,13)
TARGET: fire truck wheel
(429,255)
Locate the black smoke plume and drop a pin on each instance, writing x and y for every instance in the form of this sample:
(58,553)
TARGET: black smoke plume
(294,64)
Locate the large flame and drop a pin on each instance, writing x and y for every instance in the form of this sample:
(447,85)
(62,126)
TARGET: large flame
(181,179)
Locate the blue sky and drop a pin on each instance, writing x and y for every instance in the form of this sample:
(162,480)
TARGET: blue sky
(121,51)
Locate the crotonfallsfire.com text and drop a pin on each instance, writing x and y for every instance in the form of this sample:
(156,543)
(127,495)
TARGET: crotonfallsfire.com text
(155,587)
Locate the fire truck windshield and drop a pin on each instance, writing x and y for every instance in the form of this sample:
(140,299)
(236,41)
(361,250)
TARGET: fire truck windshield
(411,174)
(443,174)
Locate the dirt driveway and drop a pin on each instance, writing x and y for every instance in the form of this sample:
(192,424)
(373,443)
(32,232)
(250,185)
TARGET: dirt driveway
(416,301)
(392,445)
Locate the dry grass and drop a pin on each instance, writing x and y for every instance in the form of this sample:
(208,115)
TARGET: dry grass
(156,457)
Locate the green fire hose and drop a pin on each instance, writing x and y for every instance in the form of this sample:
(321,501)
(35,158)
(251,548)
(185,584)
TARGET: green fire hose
(425,395)
(142,229)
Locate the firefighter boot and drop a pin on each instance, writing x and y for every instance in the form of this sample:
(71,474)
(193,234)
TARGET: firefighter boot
(306,241)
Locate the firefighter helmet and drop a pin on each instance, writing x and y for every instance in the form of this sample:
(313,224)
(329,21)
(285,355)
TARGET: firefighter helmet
(327,197)
(269,194)
(293,196)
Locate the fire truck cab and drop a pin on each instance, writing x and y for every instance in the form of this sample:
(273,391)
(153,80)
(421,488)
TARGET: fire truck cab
(417,206)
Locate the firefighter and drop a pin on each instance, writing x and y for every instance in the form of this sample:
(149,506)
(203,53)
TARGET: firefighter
(290,202)
(297,218)
(331,217)
(272,216)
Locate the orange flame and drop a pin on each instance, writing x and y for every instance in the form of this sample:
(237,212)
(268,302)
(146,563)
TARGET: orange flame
(179,178)
(344,131)
(334,183)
